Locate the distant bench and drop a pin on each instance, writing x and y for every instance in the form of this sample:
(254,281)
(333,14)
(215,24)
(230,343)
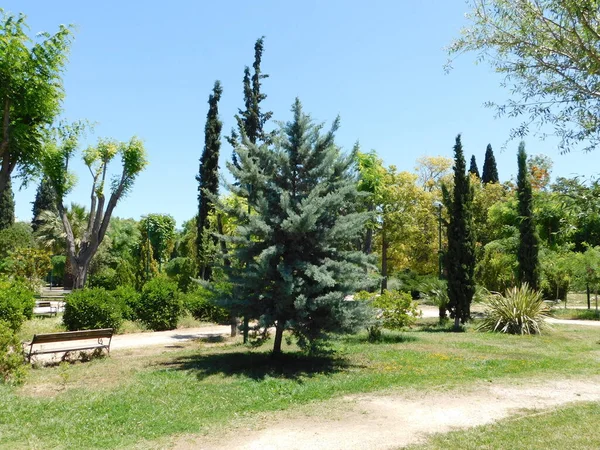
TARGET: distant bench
(43,308)
(87,338)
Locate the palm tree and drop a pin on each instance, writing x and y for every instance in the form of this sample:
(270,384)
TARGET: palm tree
(51,233)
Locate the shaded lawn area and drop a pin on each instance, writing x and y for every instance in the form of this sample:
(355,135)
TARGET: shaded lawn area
(570,427)
(149,394)
(577,314)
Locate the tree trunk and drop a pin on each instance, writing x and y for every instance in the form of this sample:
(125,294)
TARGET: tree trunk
(245,330)
(384,249)
(589,300)
(457,323)
(278,338)
(80,274)
(442,310)
(234,324)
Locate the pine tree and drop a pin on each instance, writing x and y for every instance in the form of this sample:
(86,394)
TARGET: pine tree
(473,167)
(208,177)
(45,200)
(296,250)
(7,207)
(490,171)
(460,259)
(527,256)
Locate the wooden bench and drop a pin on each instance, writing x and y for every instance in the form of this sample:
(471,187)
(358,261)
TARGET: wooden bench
(48,310)
(69,336)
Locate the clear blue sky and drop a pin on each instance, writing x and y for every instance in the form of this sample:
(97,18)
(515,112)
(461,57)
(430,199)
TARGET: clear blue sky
(147,68)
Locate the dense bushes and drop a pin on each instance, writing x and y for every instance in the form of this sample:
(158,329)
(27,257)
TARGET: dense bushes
(91,308)
(199,302)
(16,303)
(160,305)
(12,369)
(129,299)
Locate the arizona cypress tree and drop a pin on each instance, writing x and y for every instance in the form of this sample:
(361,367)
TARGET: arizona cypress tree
(460,259)
(297,248)
(528,240)
(208,177)
(490,171)
(473,167)
(45,200)
(7,207)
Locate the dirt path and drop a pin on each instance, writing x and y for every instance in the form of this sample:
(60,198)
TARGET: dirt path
(172,337)
(379,422)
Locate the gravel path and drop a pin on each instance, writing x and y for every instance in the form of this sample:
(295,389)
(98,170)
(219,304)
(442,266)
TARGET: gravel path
(167,338)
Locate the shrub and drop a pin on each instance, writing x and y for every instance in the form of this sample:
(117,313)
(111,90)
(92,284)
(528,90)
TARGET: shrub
(91,308)
(182,270)
(129,299)
(160,304)
(16,303)
(519,311)
(29,265)
(395,310)
(58,269)
(12,368)
(200,303)
(105,278)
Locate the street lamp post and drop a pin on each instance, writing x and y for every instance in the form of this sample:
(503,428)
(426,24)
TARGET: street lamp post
(439,206)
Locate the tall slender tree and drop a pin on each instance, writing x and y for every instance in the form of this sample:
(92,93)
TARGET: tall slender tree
(490,171)
(208,178)
(460,259)
(473,167)
(527,256)
(45,200)
(7,207)
(250,122)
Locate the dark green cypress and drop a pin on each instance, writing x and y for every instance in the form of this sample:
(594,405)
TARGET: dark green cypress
(473,167)
(7,207)
(528,240)
(460,259)
(208,176)
(490,171)
(45,200)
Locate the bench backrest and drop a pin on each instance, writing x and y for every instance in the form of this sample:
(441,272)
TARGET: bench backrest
(72,336)
(43,305)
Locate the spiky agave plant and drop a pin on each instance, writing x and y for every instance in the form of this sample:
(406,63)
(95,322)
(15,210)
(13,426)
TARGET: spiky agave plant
(519,311)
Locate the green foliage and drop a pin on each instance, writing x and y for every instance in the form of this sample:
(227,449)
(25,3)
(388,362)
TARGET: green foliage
(15,237)
(59,263)
(45,200)
(527,255)
(556,273)
(129,299)
(208,177)
(497,268)
(91,308)
(182,271)
(519,311)
(12,367)
(7,207)
(29,265)
(159,229)
(548,54)
(460,258)
(436,291)
(160,305)
(31,92)
(490,171)
(16,303)
(394,310)
(473,169)
(105,278)
(296,252)
(201,304)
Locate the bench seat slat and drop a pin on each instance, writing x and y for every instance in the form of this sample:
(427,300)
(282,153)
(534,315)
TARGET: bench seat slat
(72,336)
(68,349)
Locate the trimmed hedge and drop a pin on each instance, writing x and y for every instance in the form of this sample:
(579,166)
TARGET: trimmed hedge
(160,305)
(16,303)
(129,299)
(91,308)
(200,304)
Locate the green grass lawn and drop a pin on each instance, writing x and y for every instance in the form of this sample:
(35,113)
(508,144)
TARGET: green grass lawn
(150,394)
(577,314)
(572,427)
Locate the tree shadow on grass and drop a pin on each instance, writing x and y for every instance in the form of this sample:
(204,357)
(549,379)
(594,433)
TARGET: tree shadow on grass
(385,338)
(259,365)
(443,328)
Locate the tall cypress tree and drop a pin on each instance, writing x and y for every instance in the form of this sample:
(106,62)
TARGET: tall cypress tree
(460,259)
(208,177)
(45,200)
(473,167)
(528,243)
(490,171)
(297,248)
(7,207)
